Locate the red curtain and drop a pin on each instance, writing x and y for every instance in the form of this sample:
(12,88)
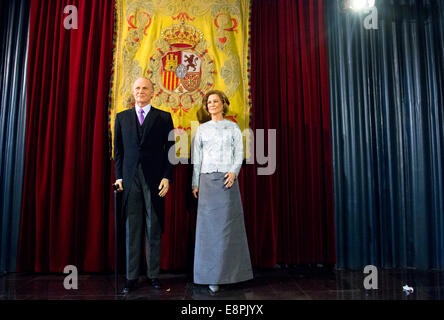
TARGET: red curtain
(290,215)
(65,207)
(67,204)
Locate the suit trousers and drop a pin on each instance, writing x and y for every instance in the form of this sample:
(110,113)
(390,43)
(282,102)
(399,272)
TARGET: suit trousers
(141,217)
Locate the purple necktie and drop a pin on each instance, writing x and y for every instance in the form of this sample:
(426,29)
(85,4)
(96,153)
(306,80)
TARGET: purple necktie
(141,117)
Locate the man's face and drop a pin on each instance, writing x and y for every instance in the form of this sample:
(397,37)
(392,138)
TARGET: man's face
(142,91)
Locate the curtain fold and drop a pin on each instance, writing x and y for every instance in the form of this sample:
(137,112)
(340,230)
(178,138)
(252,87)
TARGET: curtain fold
(386,91)
(14,23)
(65,206)
(289,215)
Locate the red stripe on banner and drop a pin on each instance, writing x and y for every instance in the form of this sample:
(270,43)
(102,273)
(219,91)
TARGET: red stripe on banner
(169,80)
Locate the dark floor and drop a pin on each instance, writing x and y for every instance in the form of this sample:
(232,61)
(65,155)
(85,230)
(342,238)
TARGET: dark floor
(290,283)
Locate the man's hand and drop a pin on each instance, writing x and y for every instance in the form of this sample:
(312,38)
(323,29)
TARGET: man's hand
(195,191)
(119,185)
(163,187)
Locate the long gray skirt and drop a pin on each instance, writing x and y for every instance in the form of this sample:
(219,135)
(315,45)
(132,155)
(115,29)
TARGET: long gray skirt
(221,253)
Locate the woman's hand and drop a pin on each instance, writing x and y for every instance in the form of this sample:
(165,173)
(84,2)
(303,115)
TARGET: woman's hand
(195,191)
(230,177)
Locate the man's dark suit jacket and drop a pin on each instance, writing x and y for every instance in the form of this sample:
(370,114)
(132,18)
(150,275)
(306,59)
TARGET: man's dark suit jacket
(147,144)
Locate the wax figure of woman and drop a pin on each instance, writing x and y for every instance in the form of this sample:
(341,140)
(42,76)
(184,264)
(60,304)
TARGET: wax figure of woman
(221,249)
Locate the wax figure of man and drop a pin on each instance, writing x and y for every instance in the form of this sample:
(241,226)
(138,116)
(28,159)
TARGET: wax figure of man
(143,173)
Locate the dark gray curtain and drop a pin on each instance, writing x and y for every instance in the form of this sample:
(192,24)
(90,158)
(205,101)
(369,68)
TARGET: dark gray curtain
(14,22)
(387,110)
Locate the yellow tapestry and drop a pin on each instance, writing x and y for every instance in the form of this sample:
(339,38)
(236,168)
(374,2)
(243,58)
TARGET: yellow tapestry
(186,47)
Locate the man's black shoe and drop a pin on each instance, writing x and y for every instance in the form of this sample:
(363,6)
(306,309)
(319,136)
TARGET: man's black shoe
(130,285)
(155,283)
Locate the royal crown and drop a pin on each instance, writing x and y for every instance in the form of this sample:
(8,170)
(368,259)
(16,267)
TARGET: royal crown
(182,35)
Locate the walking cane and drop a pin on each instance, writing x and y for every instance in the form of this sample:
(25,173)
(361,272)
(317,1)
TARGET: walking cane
(116,242)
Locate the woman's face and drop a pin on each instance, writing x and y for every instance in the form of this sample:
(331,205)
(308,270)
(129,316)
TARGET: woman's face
(215,105)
